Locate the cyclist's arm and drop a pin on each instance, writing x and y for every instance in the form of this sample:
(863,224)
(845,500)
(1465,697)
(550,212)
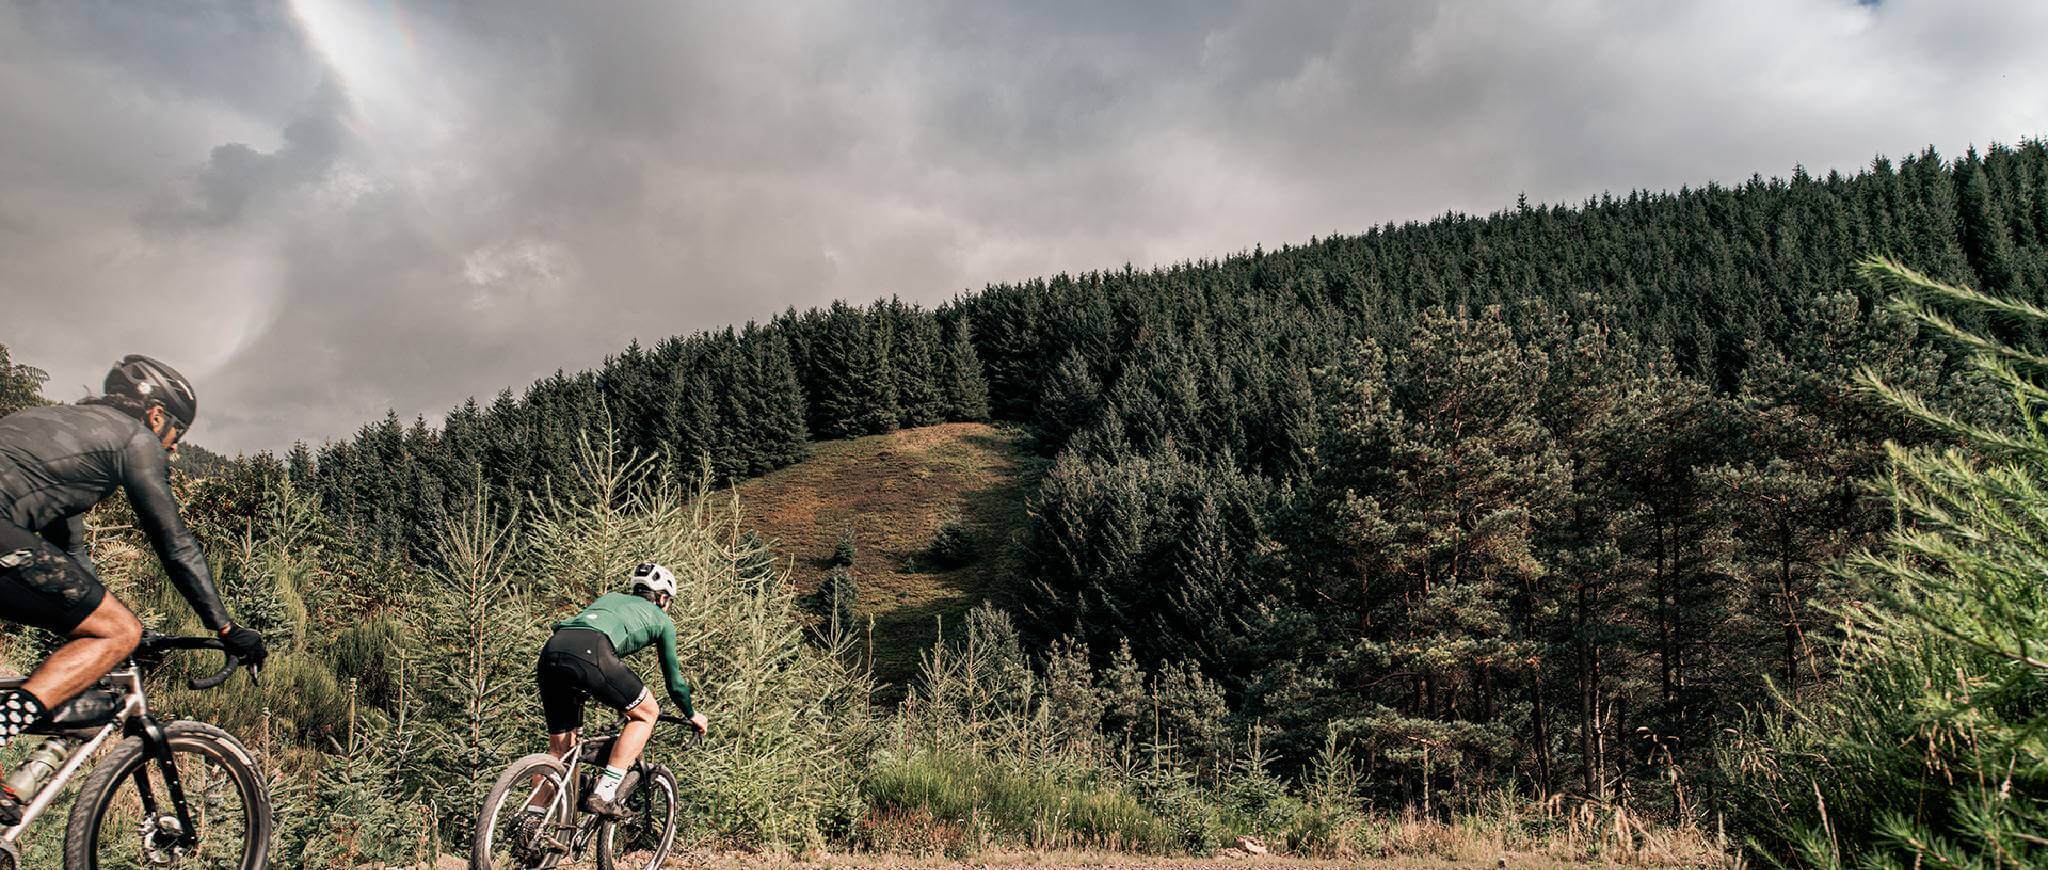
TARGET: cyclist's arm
(69,535)
(672,671)
(147,480)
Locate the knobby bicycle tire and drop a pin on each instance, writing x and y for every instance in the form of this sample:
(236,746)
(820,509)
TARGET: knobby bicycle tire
(656,781)
(518,775)
(118,768)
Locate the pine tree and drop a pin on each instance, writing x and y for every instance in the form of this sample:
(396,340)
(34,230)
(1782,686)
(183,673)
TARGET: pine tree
(918,366)
(1432,534)
(300,464)
(1985,240)
(837,603)
(1944,671)
(965,389)
(1070,402)
(20,385)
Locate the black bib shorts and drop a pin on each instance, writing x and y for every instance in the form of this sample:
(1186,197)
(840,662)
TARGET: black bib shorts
(41,586)
(579,664)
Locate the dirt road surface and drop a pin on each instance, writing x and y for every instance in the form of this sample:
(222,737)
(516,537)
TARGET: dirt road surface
(1071,861)
(1087,861)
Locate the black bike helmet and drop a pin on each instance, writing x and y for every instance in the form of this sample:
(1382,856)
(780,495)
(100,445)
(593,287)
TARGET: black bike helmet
(141,377)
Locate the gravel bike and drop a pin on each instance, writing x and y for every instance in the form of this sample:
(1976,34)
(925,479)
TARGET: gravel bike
(507,836)
(168,794)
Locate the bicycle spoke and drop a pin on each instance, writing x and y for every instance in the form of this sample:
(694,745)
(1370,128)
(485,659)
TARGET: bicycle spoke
(519,838)
(646,838)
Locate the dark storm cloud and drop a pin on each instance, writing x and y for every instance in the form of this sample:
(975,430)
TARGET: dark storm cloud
(324,209)
(235,173)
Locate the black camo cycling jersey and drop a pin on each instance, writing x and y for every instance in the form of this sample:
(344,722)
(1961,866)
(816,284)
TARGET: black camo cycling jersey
(57,462)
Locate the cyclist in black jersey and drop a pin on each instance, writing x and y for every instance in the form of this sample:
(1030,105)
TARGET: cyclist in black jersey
(56,462)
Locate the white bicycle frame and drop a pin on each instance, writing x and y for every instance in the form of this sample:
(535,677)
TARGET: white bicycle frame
(127,680)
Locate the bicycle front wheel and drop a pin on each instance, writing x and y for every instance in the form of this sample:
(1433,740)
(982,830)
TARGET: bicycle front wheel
(643,841)
(125,817)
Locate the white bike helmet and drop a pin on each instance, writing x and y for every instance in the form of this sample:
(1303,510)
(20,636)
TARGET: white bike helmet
(648,575)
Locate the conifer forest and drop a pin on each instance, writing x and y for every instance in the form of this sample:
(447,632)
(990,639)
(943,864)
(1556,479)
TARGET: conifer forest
(1660,525)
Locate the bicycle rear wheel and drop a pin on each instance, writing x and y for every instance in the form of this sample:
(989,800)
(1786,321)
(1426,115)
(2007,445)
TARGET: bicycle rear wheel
(643,841)
(507,836)
(116,824)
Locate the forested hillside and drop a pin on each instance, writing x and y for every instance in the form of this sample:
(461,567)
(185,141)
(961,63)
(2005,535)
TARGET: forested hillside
(1544,502)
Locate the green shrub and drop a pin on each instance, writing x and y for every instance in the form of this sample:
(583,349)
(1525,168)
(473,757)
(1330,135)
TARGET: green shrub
(836,604)
(843,553)
(953,547)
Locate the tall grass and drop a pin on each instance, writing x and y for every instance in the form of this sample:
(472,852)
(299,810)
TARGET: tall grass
(957,804)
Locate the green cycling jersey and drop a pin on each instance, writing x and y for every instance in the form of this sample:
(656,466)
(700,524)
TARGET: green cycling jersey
(631,623)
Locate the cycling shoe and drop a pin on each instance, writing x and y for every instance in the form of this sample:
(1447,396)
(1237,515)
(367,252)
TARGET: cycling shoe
(597,806)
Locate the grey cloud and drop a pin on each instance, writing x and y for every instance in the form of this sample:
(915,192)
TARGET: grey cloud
(235,173)
(243,54)
(327,208)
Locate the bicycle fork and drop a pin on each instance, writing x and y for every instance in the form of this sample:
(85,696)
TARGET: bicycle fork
(160,749)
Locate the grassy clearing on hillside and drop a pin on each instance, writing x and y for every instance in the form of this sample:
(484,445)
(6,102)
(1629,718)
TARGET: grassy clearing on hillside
(895,493)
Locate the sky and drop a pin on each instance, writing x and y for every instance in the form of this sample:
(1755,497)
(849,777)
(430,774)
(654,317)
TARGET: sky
(323,209)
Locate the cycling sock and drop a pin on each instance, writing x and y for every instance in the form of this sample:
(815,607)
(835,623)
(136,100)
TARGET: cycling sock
(18,710)
(608,783)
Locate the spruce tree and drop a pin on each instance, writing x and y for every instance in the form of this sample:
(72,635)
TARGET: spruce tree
(881,408)
(1944,671)
(1070,402)
(836,604)
(20,385)
(853,390)
(964,388)
(918,366)
(776,402)
(299,464)
(843,552)
(1985,239)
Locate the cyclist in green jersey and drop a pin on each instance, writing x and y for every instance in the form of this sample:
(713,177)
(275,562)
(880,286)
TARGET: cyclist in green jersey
(581,661)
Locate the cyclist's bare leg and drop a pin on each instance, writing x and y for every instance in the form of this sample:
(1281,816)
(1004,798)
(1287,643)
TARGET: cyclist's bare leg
(633,737)
(558,746)
(96,646)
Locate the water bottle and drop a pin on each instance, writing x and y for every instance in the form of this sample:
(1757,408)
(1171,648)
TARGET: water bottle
(32,773)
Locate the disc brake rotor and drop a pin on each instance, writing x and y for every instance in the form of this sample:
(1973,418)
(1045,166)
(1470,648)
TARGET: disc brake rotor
(160,834)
